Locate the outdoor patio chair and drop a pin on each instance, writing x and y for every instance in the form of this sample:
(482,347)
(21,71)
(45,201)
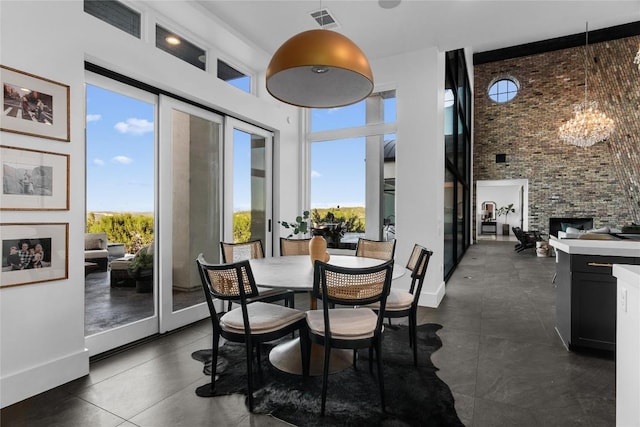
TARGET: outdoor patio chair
(252,323)
(234,252)
(401,303)
(294,246)
(383,250)
(349,328)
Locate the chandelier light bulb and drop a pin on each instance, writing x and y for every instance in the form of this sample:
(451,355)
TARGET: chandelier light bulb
(637,60)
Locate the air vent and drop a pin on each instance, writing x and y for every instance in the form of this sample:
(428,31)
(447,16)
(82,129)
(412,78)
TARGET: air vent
(324,18)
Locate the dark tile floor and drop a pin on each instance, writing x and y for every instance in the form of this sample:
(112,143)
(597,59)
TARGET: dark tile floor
(501,358)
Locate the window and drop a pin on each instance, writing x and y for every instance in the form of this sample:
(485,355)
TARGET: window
(177,46)
(503,90)
(234,77)
(116,14)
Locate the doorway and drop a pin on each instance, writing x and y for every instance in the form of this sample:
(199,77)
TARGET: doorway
(503,193)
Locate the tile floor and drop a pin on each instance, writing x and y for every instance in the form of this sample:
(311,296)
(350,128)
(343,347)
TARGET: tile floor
(501,358)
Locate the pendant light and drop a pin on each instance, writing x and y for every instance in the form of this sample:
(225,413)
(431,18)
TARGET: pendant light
(319,69)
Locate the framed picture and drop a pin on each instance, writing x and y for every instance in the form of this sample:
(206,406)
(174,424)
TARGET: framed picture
(33,105)
(33,253)
(33,180)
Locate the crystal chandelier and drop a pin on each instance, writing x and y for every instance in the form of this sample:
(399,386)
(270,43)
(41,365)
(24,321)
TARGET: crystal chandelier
(588,126)
(637,60)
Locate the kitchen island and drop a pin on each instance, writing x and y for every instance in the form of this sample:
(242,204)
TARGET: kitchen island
(586,290)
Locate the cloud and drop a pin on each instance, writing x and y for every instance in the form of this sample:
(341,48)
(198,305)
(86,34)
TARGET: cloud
(98,162)
(315,174)
(135,126)
(93,117)
(123,160)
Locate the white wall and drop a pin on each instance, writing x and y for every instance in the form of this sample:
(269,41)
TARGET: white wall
(503,192)
(42,325)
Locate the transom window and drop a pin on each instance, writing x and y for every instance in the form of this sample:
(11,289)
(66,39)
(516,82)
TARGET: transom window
(503,90)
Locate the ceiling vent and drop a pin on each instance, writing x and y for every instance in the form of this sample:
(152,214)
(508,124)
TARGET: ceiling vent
(324,19)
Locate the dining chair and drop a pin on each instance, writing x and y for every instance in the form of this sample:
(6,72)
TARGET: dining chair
(401,303)
(234,252)
(294,246)
(250,323)
(383,250)
(349,328)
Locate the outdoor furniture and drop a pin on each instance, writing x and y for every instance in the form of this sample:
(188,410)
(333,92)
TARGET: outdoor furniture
(234,252)
(290,247)
(401,303)
(526,239)
(349,328)
(119,272)
(95,249)
(383,250)
(251,323)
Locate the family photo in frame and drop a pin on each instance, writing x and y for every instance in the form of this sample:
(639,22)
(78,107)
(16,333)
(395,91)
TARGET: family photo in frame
(33,105)
(33,252)
(33,179)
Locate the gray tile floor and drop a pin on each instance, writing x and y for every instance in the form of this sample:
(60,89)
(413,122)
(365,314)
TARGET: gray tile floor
(501,358)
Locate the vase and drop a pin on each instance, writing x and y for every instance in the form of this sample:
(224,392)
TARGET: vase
(317,248)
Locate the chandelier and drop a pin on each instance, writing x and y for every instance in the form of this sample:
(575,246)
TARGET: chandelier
(637,60)
(588,126)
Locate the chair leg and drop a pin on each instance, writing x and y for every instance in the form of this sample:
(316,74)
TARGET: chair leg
(259,358)
(325,375)
(214,361)
(378,345)
(305,350)
(249,351)
(413,326)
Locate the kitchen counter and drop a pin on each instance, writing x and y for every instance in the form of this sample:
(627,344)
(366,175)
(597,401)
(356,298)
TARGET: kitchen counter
(626,248)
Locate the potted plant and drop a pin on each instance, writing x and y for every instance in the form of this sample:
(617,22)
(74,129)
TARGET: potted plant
(299,226)
(141,268)
(506,210)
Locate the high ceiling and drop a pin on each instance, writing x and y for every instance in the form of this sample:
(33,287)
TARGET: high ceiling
(415,24)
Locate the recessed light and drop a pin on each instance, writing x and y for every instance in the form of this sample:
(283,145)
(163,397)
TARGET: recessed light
(388,4)
(173,40)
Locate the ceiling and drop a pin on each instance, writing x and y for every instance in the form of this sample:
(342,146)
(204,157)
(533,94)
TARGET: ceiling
(481,25)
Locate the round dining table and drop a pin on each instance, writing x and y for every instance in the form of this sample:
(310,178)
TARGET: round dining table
(296,273)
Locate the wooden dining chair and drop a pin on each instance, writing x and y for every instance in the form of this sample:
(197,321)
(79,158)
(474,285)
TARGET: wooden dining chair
(349,328)
(294,246)
(383,250)
(401,303)
(234,252)
(250,323)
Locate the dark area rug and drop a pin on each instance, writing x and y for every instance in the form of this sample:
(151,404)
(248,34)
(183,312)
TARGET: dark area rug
(413,396)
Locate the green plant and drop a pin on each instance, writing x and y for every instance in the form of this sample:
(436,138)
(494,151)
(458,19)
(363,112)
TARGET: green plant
(300,226)
(506,210)
(142,263)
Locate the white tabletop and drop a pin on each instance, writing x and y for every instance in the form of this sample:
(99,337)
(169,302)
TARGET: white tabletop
(296,272)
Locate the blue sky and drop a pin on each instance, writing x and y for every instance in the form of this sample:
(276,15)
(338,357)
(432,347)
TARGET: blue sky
(120,140)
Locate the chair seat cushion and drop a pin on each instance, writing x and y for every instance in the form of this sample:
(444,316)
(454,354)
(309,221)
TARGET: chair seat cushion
(263,318)
(397,300)
(346,323)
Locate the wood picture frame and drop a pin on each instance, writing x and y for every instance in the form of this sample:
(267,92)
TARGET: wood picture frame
(46,253)
(33,179)
(33,105)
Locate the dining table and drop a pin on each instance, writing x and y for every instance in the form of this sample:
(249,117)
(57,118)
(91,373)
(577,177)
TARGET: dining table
(296,273)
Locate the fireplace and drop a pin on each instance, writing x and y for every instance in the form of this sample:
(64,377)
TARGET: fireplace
(555,224)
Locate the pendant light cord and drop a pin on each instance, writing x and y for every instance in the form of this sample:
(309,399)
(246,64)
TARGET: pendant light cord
(586,61)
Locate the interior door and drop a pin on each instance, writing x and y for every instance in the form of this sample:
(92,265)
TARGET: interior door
(190,200)
(248,183)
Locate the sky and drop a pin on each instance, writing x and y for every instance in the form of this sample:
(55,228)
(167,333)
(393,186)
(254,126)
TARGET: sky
(120,153)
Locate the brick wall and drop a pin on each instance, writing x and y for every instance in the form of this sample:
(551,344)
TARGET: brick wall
(602,181)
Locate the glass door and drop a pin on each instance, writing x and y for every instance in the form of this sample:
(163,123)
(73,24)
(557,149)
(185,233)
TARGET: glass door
(247,189)
(120,305)
(191,200)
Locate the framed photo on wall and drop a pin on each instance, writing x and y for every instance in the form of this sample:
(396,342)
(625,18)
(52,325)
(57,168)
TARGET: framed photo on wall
(33,253)
(33,180)
(33,105)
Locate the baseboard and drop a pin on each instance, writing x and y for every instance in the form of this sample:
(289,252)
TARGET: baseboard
(27,383)
(432,299)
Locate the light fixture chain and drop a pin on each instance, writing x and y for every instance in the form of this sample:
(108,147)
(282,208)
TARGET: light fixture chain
(586,61)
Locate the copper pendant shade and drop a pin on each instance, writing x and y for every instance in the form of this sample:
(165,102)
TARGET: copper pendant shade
(319,69)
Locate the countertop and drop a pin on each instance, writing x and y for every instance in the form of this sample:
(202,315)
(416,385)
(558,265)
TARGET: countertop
(626,248)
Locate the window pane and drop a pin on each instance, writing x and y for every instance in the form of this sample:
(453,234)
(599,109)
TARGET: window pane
(180,48)
(116,14)
(234,77)
(338,118)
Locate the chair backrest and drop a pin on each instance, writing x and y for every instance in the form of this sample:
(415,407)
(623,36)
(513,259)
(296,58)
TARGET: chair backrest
(418,263)
(234,252)
(294,246)
(231,281)
(383,250)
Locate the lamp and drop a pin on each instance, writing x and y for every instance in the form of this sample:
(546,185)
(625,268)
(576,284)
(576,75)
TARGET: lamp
(319,69)
(637,60)
(589,126)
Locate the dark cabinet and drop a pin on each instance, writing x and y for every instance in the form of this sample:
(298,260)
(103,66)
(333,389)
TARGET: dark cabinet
(586,300)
